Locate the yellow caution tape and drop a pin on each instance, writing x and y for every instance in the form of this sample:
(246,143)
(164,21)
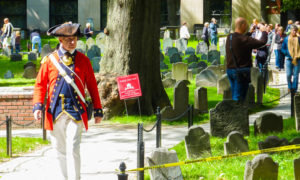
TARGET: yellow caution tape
(276,149)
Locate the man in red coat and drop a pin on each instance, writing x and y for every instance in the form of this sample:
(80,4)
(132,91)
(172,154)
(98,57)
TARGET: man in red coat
(65,112)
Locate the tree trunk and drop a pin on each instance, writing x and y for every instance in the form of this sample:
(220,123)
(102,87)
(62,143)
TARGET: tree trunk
(132,46)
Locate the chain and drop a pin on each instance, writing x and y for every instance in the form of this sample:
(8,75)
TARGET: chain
(23,125)
(277,98)
(151,128)
(178,117)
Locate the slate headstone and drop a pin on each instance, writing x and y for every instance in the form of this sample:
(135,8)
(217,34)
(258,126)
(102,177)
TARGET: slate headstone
(202,48)
(235,143)
(171,51)
(46,50)
(271,142)
(192,58)
(190,51)
(213,55)
(94,51)
(95,61)
(90,42)
(206,78)
(29,72)
(197,143)
(32,56)
(261,167)
(8,75)
(297,110)
(297,169)
(175,58)
(202,64)
(228,116)
(268,122)
(168,42)
(200,100)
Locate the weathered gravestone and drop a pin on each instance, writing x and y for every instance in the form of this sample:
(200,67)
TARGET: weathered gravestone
(190,51)
(32,56)
(166,34)
(202,64)
(297,169)
(175,58)
(168,82)
(81,47)
(271,142)
(181,45)
(168,42)
(218,70)
(29,64)
(223,84)
(163,65)
(46,50)
(200,100)
(228,116)
(213,55)
(168,75)
(206,78)
(197,143)
(95,61)
(15,57)
(8,75)
(297,110)
(29,72)
(101,41)
(295,141)
(6,51)
(180,71)
(202,48)
(163,156)
(254,77)
(94,51)
(203,57)
(90,42)
(190,75)
(181,101)
(171,51)
(261,167)
(250,97)
(268,122)
(162,57)
(260,89)
(192,58)
(235,143)
(227,93)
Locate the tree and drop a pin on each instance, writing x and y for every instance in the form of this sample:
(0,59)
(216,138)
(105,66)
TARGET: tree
(290,5)
(132,46)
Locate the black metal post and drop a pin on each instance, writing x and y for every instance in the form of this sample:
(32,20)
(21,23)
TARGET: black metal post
(8,136)
(158,128)
(292,103)
(140,152)
(43,124)
(122,175)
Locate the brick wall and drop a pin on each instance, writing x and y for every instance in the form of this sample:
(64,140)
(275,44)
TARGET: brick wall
(19,107)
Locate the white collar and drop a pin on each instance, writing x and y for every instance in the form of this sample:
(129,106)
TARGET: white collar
(64,51)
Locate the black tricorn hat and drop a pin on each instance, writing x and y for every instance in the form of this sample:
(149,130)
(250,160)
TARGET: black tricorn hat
(65,30)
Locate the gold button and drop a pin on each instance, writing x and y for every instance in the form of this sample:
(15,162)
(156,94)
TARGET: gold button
(72,74)
(78,102)
(76,97)
(80,107)
(55,84)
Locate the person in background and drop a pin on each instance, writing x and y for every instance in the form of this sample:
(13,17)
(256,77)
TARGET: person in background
(213,26)
(205,34)
(279,56)
(288,27)
(184,32)
(18,42)
(291,50)
(7,34)
(262,52)
(87,31)
(35,38)
(270,37)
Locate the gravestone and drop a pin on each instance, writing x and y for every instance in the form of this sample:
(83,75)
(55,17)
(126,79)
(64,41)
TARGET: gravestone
(15,57)
(168,82)
(297,169)
(168,42)
(95,61)
(180,71)
(202,64)
(271,142)
(192,58)
(190,75)
(218,70)
(268,122)
(190,51)
(197,143)
(101,40)
(8,75)
(295,141)
(90,42)
(171,51)
(29,72)
(162,57)
(166,34)
(29,64)
(227,94)
(175,58)
(197,70)
(297,110)
(222,50)
(235,143)
(32,56)
(261,167)
(250,97)
(223,84)
(94,51)
(254,77)
(193,65)
(213,47)
(215,62)
(200,100)
(181,45)
(202,48)
(203,57)
(81,47)
(163,65)
(168,75)
(164,156)
(6,51)
(260,89)
(213,55)
(46,50)
(199,34)
(206,78)
(228,116)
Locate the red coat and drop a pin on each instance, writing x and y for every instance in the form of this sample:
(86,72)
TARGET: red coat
(46,80)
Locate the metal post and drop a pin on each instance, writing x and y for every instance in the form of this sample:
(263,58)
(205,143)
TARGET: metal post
(43,124)
(158,128)
(292,103)
(122,175)
(192,115)
(8,136)
(140,152)
(189,116)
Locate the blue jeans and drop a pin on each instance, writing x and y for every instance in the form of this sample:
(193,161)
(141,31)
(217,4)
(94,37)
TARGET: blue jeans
(17,48)
(238,89)
(279,61)
(214,39)
(292,70)
(36,40)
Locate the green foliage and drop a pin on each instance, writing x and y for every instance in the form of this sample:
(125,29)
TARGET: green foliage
(290,5)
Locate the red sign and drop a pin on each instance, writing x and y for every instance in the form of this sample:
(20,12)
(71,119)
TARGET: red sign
(129,86)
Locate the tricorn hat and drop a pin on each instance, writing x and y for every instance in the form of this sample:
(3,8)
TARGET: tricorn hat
(66,29)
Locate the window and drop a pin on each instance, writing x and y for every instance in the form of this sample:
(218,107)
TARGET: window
(15,10)
(63,11)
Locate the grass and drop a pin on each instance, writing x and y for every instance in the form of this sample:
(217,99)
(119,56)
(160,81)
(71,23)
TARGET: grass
(20,145)
(233,168)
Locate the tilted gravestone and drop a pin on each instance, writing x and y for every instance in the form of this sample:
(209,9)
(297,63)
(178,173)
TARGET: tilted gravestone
(189,51)
(192,58)
(29,64)
(29,72)
(171,51)
(15,57)
(168,42)
(181,45)
(218,70)
(180,71)
(197,143)
(250,97)
(101,41)
(297,169)
(261,167)
(297,110)
(81,47)
(200,100)
(271,142)
(90,42)
(235,143)
(163,156)
(206,78)
(213,55)
(254,77)
(223,84)
(46,50)
(32,56)
(268,122)
(8,75)
(95,61)
(260,89)
(175,58)
(228,116)
(94,51)
(168,82)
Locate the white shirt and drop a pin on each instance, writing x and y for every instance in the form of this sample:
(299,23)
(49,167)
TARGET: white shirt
(184,32)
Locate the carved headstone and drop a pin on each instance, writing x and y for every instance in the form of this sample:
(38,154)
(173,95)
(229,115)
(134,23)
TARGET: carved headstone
(190,51)
(228,116)
(272,141)
(268,122)
(171,51)
(197,143)
(96,64)
(32,56)
(29,72)
(81,47)
(261,167)
(206,78)
(180,71)
(192,58)
(223,84)
(213,55)
(94,51)
(101,41)
(200,100)
(235,143)
(175,58)
(260,89)
(168,42)
(218,70)
(297,110)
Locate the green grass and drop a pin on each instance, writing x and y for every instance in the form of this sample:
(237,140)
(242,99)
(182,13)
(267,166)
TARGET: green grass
(233,168)
(20,145)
